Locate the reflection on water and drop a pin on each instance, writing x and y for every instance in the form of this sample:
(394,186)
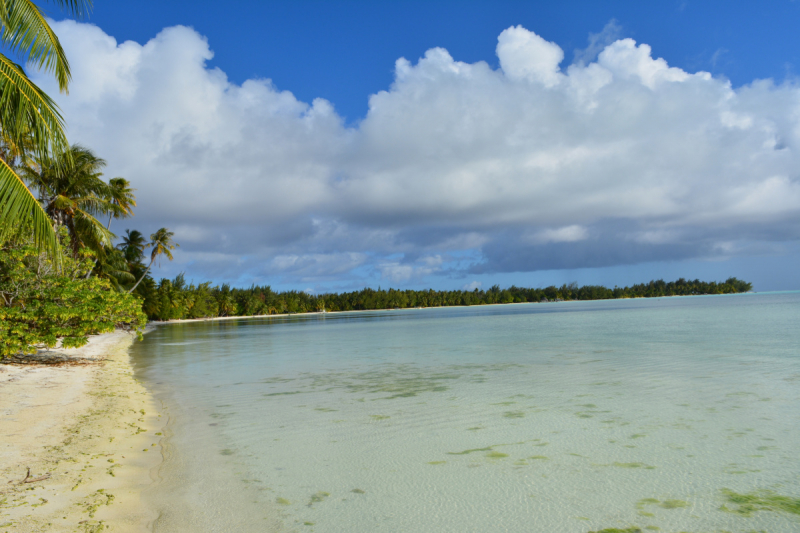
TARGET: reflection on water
(678,414)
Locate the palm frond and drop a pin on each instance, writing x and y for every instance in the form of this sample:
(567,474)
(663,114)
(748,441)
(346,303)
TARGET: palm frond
(26,32)
(95,205)
(78,8)
(112,265)
(26,110)
(18,206)
(91,228)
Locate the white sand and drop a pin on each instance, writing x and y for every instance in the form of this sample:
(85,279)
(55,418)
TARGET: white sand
(86,426)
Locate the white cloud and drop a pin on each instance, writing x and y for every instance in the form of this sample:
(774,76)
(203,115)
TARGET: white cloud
(398,272)
(572,233)
(526,56)
(312,266)
(454,158)
(626,60)
(395,272)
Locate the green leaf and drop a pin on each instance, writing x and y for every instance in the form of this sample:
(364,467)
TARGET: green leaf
(26,110)
(18,207)
(26,32)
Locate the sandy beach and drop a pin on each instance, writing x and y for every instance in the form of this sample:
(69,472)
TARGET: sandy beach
(90,435)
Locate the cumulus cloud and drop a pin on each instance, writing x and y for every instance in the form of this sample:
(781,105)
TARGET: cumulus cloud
(402,271)
(471,286)
(457,167)
(526,56)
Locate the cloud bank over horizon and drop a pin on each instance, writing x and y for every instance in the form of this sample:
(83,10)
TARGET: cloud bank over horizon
(457,169)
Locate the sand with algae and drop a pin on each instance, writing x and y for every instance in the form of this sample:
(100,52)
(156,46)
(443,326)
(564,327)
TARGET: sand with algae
(80,442)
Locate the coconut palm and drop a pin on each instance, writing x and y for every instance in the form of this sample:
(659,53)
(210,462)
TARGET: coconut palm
(121,200)
(26,112)
(73,194)
(227,304)
(113,267)
(121,196)
(132,246)
(162,244)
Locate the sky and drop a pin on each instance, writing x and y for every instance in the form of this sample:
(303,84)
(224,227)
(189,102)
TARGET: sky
(329,146)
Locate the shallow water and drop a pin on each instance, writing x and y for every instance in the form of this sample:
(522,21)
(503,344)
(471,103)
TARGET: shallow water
(573,416)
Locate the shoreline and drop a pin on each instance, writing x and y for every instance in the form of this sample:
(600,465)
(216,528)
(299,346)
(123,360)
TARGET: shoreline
(278,315)
(154,323)
(90,434)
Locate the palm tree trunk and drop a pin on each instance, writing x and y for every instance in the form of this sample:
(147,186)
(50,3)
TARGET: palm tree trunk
(143,275)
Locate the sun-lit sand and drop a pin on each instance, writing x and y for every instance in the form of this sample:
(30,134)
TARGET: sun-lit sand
(90,434)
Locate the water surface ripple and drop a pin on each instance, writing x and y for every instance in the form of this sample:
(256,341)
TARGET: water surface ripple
(571,417)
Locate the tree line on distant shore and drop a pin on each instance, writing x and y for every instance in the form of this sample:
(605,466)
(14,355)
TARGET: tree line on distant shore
(177,299)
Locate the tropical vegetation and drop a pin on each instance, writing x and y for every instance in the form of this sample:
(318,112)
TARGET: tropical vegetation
(45,301)
(60,277)
(177,299)
(85,289)
(30,121)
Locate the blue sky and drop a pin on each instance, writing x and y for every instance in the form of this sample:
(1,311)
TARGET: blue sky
(527,143)
(344,51)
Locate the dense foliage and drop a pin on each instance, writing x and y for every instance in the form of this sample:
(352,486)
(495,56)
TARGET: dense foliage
(175,299)
(30,122)
(84,288)
(41,304)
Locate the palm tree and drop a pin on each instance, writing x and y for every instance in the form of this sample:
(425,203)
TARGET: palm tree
(27,114)
(72,192)
(121,200)
(113,267)
(132,246)
(227,305)
(121,196)
(162,244)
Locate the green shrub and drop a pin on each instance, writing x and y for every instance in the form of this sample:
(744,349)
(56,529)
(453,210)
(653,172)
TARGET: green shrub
(40,305)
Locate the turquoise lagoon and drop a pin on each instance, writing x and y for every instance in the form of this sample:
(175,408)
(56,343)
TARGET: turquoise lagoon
(573,416)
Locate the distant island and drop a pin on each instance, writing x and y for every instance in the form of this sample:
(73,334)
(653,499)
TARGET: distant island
(175,299)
